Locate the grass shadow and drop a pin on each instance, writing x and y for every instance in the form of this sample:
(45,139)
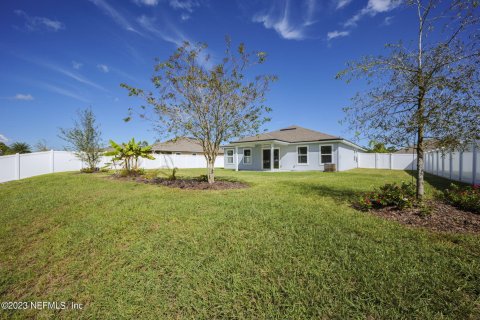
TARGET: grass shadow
(439,183)
(339,194)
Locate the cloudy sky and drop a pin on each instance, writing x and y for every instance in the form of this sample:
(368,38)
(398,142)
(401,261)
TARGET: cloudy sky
(60,56)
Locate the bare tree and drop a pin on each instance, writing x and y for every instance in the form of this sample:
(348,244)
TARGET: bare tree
(84,138)
(426,90)
(212,103)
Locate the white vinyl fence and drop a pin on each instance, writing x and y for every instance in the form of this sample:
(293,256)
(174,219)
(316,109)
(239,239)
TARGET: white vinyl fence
(393,161)
(459,165)
(19,166)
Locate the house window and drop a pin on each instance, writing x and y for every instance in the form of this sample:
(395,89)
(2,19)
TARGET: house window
(326,154)
(230,156)
(247,156)
(302,153)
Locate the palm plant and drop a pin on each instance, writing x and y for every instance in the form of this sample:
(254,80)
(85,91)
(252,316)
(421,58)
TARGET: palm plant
(127,154)
(19,147)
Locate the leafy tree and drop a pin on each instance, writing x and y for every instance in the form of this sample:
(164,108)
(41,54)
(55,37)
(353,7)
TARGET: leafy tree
(41,145)
(212,103)
(19,147)
(3,149)
(379,147)
(127,154)
(428,90)
(84,138)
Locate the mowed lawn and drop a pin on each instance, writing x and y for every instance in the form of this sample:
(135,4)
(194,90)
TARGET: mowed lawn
(288,247)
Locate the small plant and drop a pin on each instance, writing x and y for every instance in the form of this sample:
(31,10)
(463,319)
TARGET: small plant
(203,178)
(465,198)
(88,170)
(173,175)
(389,195)
(127,155)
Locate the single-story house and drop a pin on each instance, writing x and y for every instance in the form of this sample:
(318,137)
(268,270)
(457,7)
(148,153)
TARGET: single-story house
(180,146)
(291,149)
(430,144)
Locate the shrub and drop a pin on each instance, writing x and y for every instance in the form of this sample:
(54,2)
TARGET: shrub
(173,175)
(390,195)
(88,170)
(465,198)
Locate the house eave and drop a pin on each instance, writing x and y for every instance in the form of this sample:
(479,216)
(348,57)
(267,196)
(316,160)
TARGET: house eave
(280,142)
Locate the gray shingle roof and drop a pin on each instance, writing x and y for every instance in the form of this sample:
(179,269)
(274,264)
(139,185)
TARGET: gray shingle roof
(290,134)
(182,144)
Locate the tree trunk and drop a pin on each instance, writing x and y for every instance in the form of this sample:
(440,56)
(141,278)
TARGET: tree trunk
(420,165)
(211,171)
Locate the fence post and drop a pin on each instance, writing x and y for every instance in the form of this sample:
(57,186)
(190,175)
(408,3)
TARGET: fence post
(376,155)
(460,171)
(52,161)
(17,166)
(450,164)
(391,162)
(474,165)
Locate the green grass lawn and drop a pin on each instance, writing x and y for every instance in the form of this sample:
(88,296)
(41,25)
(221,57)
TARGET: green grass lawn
(288,247)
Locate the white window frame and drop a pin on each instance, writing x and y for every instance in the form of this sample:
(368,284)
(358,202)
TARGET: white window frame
(326,154)
(298,155)
(232,156)
(251,155)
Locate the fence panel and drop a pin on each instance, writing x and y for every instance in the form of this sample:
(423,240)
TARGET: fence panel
(66,161)
(404,161)
(21,166)
(34,164)
(460,166)
(8,168)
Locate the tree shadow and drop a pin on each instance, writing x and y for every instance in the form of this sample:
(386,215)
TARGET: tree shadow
(439,183)
(338,194)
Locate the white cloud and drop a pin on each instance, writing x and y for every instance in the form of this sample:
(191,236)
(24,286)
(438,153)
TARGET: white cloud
(76,65)
(184,16)
(40,23)
(337,34)
(342,3)
(115,15)
(373,8)
(103,68)
(279,18)
(187,5)
(388,21)
(65,72)
(170,33)
(24,97)
(3,138)
(147,2)
(63,92)
(167,33)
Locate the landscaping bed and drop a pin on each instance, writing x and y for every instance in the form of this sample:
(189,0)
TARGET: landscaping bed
(186,183)
(441,217)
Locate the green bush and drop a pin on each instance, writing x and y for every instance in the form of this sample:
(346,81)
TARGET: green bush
(465,198)
(390,195)
(88,170)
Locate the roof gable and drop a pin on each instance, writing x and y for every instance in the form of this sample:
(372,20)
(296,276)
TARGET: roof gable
(291,134)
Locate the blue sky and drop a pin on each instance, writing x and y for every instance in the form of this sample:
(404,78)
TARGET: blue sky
(61,56)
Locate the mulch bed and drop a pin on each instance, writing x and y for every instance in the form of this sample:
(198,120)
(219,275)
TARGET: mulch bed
(191,184)
(443,217)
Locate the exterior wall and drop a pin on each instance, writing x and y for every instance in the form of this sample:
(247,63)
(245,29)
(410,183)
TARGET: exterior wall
(288,157)
(347,157)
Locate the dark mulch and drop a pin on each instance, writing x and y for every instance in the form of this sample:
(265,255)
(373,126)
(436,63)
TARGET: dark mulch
(191,184)
(442,217)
